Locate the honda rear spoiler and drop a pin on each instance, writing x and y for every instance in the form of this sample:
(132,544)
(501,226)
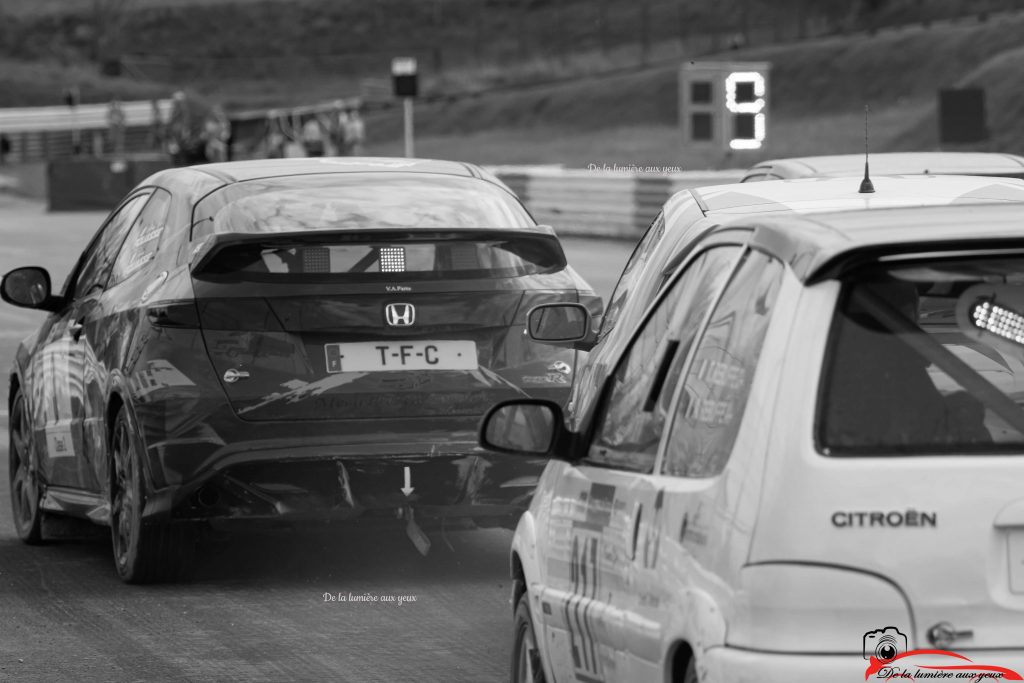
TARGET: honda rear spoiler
(206,251)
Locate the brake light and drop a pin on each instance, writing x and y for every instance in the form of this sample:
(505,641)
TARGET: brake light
(173,314)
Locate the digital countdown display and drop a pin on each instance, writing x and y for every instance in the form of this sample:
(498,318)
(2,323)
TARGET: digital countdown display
(723,108)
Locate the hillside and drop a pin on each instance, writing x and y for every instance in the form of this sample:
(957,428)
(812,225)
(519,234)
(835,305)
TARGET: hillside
(540,81)
(230,48)
(819,89)
(1004,105)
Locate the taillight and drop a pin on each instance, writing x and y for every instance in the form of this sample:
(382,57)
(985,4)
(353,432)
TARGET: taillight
(173,314)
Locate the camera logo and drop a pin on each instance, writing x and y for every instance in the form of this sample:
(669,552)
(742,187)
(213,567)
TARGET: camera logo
(884,644)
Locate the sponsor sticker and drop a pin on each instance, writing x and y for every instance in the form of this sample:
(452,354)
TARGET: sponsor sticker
(59,442)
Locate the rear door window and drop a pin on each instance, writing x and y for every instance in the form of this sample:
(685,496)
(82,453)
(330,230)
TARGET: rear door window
(97,262)
(714,394)
(634,409)
(141,244)
(926,357)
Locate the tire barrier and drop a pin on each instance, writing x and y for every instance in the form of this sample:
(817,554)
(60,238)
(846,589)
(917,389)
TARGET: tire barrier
(619,204)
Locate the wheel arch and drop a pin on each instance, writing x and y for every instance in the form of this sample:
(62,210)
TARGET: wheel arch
(677,659)
(518,578)
(117,400)
(523,557)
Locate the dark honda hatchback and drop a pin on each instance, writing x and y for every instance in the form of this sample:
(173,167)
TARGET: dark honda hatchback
(292,340)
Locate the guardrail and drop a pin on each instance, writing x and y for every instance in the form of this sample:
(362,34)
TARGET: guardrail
(599,202)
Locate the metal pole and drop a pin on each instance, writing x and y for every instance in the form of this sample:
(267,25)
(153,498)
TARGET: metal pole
(76,137)
(407,105)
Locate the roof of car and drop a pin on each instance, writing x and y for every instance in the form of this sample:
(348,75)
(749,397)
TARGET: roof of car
(814,245)
(235,171)
(819,195)
(967,163)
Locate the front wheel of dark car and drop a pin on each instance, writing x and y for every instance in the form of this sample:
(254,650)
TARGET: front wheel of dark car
(26,491)
(143,553)
(526,665)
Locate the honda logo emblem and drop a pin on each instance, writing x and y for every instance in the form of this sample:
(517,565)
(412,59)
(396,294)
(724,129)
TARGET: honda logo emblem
(400,315)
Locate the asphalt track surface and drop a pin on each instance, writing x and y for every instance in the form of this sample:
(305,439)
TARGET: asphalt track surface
(256,608)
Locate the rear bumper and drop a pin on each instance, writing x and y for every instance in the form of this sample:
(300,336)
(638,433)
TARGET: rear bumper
(318,481)
(731,665)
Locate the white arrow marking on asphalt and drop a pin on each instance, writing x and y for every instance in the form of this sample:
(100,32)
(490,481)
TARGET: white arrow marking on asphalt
(407,489)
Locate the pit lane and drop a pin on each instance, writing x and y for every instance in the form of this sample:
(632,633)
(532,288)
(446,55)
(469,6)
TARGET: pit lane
(259,607)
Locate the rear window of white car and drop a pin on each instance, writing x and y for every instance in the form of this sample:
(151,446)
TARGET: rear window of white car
(926,357)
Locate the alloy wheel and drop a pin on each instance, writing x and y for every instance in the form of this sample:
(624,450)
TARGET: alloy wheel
(24,478)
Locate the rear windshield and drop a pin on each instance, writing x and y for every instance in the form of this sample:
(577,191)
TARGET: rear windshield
(927,357)
(357,201)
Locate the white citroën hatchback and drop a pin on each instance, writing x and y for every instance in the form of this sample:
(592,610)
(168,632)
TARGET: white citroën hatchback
(806,465)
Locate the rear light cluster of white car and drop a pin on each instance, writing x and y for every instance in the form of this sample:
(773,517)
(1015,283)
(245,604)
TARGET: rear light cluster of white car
(987,315)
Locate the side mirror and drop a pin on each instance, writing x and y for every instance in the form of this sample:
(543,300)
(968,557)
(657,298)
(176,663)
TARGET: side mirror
(28,287)
(523,427)
(560,324)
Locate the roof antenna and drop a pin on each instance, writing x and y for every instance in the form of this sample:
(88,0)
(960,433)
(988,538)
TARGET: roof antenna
(866,187)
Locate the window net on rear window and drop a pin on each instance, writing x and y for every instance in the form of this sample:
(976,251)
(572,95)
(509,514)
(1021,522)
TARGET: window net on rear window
(926,357)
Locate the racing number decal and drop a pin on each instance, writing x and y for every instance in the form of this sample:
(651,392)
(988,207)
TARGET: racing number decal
(578,615)
(585,581)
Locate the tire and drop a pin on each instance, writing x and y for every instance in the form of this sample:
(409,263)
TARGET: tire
(526,664)
(143,553)
(26,490)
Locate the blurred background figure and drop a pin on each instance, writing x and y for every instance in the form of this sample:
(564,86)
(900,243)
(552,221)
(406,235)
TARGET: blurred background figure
(177,127)
(273,137)
(217,135)
(338,125)
(156,139)
(355,135)
(185,130)
(5,147)
(116,127)
(313,137)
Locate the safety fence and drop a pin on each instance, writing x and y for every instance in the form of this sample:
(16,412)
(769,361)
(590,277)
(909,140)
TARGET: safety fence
(43,133)
(34,134)
(605,203)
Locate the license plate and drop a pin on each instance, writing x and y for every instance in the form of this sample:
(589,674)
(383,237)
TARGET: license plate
(1017,560)
(409,355)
